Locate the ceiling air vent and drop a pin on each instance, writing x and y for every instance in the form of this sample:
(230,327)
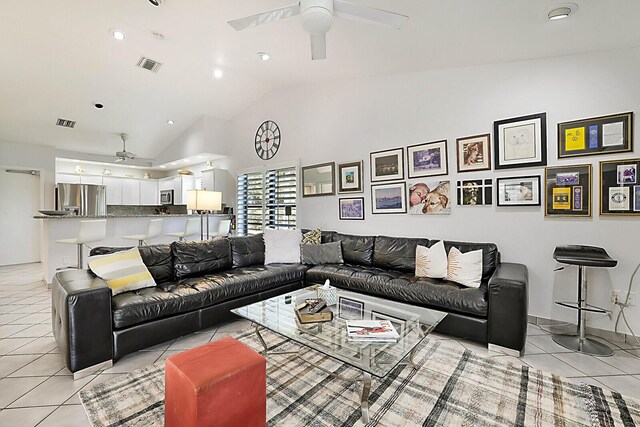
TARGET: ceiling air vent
(149,64)
(66,123)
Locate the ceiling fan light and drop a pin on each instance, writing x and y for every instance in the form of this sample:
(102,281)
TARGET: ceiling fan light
(264,56)
(559,13)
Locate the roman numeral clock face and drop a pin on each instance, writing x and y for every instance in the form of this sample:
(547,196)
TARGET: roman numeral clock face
(267,140)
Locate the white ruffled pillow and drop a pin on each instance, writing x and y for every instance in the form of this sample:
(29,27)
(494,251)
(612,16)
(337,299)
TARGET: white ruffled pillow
(282,246)
(465,269)
(431,262)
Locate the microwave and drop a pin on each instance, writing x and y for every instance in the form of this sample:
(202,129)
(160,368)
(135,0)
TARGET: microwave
(166,197)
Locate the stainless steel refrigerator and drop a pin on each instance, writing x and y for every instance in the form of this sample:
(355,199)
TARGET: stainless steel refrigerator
(84,199)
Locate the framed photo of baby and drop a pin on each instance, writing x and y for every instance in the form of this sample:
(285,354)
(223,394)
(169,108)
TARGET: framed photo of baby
(430,198)
(474,153)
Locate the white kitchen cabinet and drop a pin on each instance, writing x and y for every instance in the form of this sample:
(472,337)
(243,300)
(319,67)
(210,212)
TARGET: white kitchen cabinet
(219,180)
(149,192)
(131,192)
(67,178)
(114,189)
(91,179)
(165,184)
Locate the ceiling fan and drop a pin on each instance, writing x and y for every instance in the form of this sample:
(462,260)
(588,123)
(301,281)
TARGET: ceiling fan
(317,19)
(124,155)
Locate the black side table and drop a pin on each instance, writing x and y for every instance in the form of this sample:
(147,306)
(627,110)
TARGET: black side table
(583,257)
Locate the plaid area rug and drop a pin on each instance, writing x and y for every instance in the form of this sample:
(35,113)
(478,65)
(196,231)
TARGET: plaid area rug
(447,387)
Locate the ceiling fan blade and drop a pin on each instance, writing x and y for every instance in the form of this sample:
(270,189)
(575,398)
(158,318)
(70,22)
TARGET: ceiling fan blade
(318,46)
(119,159)
(357,12)
(263,18)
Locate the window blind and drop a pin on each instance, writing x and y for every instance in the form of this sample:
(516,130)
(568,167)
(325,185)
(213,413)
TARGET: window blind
(250,214)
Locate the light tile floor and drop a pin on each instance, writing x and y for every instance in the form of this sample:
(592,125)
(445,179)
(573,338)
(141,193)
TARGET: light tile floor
(36,388)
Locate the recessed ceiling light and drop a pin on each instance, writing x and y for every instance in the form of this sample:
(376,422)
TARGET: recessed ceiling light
(217,73)
(117,34)
(171,122)
(98,106)
(162,166)
(264,56)
(560,13)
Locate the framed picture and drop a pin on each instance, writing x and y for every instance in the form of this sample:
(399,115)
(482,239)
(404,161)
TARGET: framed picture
(387,165)
(429,198)
(397,323)
(350,177)
(478,192)
(352,208)
(319,180)
(474,153)
(620,187)
(388,198)
(521,142)
(519,191)
(349,309)
(597,135)
(568,191)
(427,159)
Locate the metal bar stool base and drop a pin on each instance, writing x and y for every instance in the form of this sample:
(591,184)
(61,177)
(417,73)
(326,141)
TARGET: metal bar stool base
(583,345)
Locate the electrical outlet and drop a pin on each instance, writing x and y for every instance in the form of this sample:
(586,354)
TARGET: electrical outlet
(614,296)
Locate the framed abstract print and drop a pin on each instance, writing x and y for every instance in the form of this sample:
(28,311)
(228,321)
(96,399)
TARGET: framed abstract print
(427,159)
(620,187)
(598,135)
(568,191)
(521,141)
(350,177)
(518,191)
(387,165)
(474,153)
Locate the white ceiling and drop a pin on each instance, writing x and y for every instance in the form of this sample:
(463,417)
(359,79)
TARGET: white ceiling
(58,57)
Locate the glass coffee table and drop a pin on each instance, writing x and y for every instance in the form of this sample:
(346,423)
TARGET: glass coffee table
(330,338)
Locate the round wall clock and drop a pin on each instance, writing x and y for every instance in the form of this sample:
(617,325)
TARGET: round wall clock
(267,140)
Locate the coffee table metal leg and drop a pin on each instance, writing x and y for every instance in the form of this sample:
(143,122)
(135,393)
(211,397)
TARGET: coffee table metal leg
(264,344)
(364,400)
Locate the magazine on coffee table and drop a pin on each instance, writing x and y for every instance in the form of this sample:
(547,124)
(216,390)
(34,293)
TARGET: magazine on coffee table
(371,331)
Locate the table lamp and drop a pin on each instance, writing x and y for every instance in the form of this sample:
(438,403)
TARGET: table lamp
(204,201)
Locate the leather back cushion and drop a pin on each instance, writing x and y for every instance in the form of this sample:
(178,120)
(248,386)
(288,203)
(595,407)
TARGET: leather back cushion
(356,249)
(157,258)
(200,258)
(490,255)
(247,250)
(396,253)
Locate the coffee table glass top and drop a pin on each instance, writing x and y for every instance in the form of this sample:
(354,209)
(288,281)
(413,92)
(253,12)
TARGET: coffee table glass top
(378,359)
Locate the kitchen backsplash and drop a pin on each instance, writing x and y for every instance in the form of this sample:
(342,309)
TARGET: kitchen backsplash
(145,210)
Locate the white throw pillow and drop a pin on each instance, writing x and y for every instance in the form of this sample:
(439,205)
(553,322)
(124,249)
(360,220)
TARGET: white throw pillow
(431,262)
(465,269)
(282,246)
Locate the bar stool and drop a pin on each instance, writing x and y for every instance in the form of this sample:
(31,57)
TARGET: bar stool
(191,229)
(154,230)
(583,257)
(223,228)
(90,231)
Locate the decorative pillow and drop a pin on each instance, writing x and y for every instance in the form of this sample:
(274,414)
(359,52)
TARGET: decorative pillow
(325,253)
(431,262)
(465,269)
(123,271)
(313,237)
(282,246)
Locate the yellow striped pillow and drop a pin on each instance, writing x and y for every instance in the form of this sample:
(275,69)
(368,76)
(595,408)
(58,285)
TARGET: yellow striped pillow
(123,271)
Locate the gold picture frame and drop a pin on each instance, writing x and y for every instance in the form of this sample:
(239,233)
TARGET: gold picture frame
(568,191)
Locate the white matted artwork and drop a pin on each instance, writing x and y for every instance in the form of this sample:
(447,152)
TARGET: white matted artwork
(387,165)
(427,159)
(519,191)
(521,142)
(388,198)
(627,174)
(430,198)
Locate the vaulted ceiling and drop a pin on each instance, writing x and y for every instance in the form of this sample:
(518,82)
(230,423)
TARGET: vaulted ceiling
(59,57)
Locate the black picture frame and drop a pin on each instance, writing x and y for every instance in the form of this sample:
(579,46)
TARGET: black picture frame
(341,210)
(597,135)
(475,192)
(379,210)
(393,170)
(568,191)
(515,196)
(357,176)
(439,152)
(520,142)
(620,187)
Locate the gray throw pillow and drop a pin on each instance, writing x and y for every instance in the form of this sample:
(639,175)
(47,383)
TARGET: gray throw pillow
(326,253)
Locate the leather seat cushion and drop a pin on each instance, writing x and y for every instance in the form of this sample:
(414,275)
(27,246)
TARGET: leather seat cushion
(404,287)
(355,249)
(170,298)
(157,258)
(397,253)
(247,250)
(198,258)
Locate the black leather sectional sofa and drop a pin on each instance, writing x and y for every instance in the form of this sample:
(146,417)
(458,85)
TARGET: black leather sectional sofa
(199,282)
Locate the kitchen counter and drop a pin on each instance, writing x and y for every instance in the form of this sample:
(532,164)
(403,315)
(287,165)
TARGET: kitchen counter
(122,216)
(55,255)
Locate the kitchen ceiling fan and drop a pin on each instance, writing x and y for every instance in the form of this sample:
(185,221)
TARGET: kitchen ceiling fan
(317,19)
(124,155)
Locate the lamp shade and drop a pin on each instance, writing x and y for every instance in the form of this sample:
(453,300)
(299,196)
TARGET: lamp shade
(204,200)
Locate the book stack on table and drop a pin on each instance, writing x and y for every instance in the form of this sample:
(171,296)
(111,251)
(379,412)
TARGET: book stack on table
(371,331)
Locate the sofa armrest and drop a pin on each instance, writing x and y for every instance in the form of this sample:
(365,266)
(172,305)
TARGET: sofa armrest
(508,306)
(81,318)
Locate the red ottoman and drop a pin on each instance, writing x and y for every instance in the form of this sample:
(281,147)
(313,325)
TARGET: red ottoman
(223,383)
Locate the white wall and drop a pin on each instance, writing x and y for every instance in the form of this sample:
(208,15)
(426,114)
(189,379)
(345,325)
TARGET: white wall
(206,135)
(346,120)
